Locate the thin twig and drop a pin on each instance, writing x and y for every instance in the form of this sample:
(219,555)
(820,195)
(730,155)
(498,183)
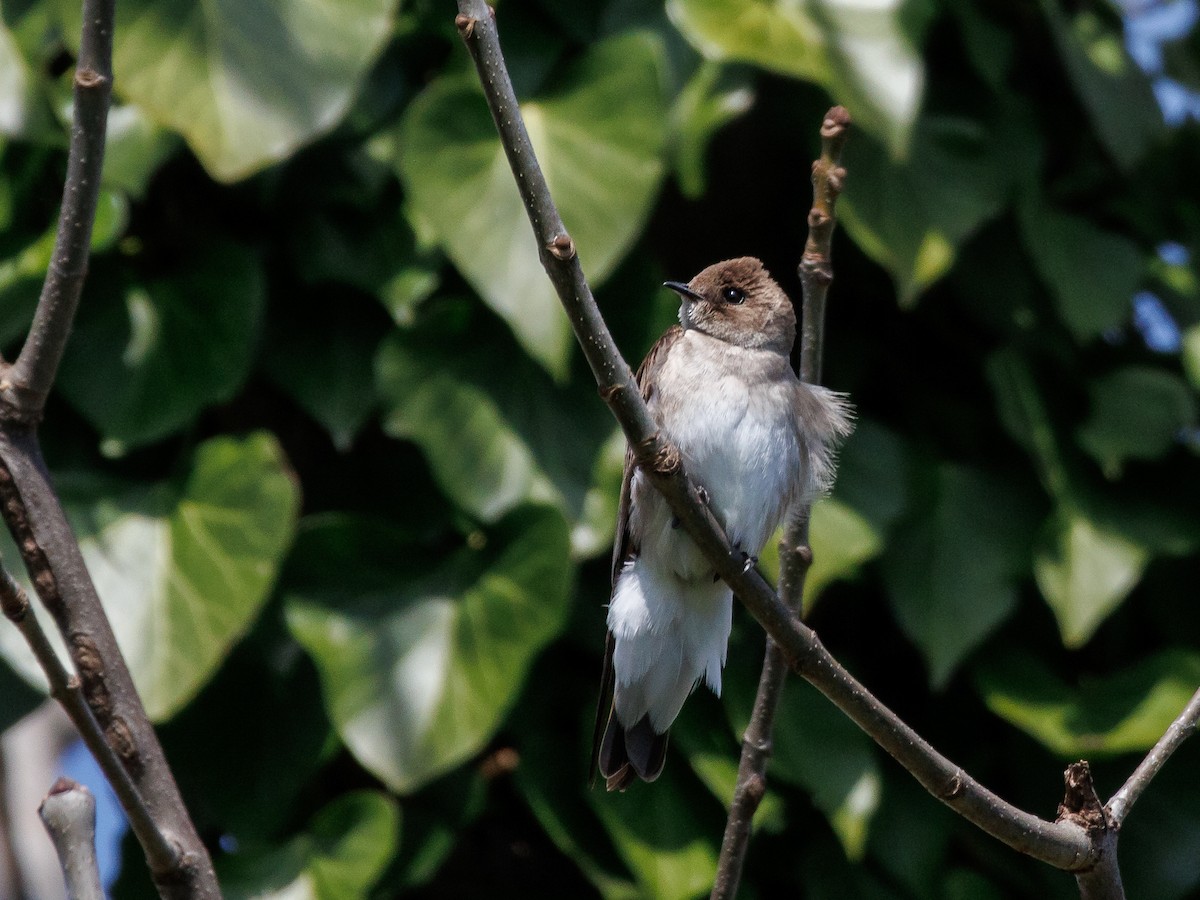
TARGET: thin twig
(1179,731)
(69,814)
(64,688)
(795,554)
(1064,846)
(179,862)
(25,386)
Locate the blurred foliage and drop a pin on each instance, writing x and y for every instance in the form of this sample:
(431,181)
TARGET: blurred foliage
(346,488)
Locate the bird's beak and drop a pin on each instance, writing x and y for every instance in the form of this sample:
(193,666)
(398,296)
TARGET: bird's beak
(682,290)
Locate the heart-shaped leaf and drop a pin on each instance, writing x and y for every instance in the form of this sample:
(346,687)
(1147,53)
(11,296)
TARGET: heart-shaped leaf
(185,342)
(600,139)
(420,662)
(246,82)
(182,569)
(863,54)
(339,857)
(1121,713)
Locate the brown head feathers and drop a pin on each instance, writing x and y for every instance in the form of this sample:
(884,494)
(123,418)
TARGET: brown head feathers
(737,301)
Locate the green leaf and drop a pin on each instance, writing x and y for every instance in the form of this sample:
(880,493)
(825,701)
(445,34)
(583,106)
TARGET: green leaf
(329,371)
(864,56)
(340,856)
(912,217)
(1191,355)
(599,137)
(246,82)
(1137,413)
(814,746)
(134,149)
(1122,713)
(492,424)
(1092,273)
(419,662)
(848,529)
(710,100)
(1084,571)
(952,568)
(1114,91)
(666,833)
(182,569)
(25,110)
(184,343)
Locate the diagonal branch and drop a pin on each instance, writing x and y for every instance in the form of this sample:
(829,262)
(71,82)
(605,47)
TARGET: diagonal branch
(795,554)
(65,688)
(1063,845)
(1179,731)
(179,862)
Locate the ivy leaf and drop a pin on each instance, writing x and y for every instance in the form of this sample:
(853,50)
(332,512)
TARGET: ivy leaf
(420,663)
(1137,412)
(711,99)
(182,569)
(667,836)
(912,217)
(340,856)
(952,569)
(246,82)
(1114,91)
(1092,273)
(1122,713)
(814,746)
(865,55)
(187,342)
(490,422)
(600,139)
(1084,571)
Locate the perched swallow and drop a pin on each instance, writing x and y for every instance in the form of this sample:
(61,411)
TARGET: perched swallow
(759,443)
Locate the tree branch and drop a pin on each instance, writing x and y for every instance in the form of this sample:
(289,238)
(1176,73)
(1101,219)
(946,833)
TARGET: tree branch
(1063,845)
(179,862)
(26,384)
(69,814)
(65,688)
(795,554)
(1179,731)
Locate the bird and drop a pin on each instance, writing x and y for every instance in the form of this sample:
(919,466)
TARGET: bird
(758,442)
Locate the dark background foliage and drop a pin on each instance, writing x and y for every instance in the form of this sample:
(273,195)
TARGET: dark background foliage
(347,489)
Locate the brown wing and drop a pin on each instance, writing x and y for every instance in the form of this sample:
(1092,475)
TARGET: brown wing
(621,547)
(646,378)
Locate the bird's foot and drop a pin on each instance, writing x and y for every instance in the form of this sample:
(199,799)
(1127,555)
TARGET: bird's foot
(749,562)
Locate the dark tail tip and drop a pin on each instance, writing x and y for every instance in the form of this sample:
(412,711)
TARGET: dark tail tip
(629,753)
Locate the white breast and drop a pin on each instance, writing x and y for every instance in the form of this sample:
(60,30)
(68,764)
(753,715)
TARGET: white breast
(730,412)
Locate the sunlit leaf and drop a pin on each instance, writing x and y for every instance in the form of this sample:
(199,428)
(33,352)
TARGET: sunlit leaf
(246,82)
(419,661)
(1120,713)
(493,425)
(1084,572)
(339,857)
(182,569)
(708,101)
(599,137)
(1191,355)
(912,217)
(863,54)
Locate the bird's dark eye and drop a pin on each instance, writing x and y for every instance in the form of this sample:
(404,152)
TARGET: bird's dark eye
(733,295)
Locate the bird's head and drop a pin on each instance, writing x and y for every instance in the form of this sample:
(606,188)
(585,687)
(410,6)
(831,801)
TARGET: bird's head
(737,301)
